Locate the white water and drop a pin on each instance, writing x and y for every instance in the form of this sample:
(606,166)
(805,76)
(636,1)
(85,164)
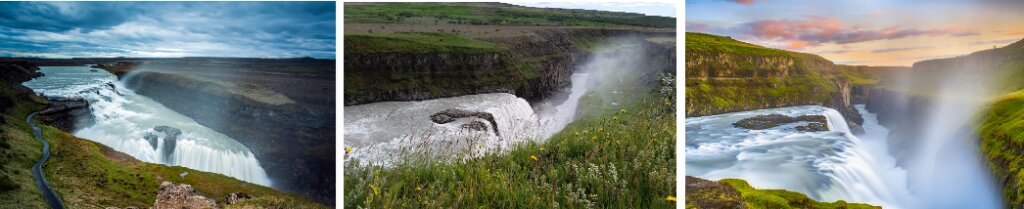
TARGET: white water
(827,166)
(122,118)
(384,132)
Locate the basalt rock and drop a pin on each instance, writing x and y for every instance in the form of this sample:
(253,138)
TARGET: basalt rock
(760,122)
(702,193)
(67,114)
(170,141)
(450,115)
(181,196)
(236,197)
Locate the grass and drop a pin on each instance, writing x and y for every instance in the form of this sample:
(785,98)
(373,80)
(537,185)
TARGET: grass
(495,14)
(702,42)
(1002,144)
(784,199)
(416,43)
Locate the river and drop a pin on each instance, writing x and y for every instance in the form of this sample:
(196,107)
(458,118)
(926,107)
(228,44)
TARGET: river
(123,119)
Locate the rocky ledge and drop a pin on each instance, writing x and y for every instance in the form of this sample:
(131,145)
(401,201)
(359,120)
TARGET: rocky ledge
(67,114)
(450,115)
(760,122)
(184,196)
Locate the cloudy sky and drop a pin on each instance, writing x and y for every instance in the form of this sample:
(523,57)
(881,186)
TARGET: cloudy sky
(167,29)
(864,32)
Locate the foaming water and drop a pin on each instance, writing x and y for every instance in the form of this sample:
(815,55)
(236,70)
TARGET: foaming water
(384,132)
(827,166)
(123,119)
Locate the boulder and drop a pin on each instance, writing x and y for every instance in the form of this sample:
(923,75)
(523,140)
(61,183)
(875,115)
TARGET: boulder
(760,122)
(236,197)
(181,196)
(450,115)
(170,141)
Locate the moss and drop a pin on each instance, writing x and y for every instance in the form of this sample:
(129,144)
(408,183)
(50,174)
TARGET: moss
(783,199)
(416,42)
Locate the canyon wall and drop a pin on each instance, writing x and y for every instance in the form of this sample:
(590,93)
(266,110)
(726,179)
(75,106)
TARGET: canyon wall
(534,65)
(732,76)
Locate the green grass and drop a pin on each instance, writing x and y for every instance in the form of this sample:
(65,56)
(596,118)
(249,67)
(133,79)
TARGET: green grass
(1002,144)
(784,199)
(495,14)
(416,43)
(702,42)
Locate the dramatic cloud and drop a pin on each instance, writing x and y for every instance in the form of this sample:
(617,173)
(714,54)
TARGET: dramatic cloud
(167,29)
(887,50)
(815,30)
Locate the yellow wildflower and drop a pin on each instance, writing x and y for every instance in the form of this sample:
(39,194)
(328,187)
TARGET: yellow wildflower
(671,198)
(577,134)
(615,118)
(534,157)
(585,132)
(623,110)
(418,188)
(600,129)
(667,101)
(541,149)
(374,188)
(593,138)
(348,150)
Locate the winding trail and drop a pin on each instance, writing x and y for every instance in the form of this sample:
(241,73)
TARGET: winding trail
(51,197)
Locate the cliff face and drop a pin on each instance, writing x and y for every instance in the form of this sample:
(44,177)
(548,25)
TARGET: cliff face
(533,65)
(747,77)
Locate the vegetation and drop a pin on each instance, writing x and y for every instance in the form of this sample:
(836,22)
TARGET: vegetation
(702,42)
(495,14)
(783,199)
(416,43)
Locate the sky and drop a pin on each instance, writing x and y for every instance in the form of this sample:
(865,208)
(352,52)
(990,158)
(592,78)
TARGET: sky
(664,9)
(864,32)
(167,29)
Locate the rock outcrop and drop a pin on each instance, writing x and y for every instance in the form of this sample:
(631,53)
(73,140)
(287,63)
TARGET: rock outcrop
(761,122)
(67,114)
(450,115)
(170,142)
(181,196)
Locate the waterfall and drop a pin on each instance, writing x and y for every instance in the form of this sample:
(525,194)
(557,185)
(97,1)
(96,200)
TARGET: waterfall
(827,166)
(125,121)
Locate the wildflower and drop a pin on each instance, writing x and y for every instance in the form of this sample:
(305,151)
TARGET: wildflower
(585,132)
(577,134)
(348,150)
(534,157)
(615,117)
(374,188)
(600,129)
(541,149)
(668,101)
(593,138)
(418,188)
(671,198)
(623,110)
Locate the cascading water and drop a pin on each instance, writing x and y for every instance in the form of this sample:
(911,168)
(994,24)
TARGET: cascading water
(125,121)
(828,166)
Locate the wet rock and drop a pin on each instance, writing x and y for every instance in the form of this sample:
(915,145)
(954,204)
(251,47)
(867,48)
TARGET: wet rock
(475,125)
(761,122)
(855,128)
(181,196)
(450,115)
(152,139)
(67,114)
(812,127)
(170,141)
(236,197)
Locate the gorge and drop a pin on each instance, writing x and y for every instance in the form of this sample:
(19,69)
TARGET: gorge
(926,143)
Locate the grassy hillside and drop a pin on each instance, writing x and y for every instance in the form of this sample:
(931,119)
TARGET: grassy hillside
(89,175)
(734,193)
(495,14)
(1002,124)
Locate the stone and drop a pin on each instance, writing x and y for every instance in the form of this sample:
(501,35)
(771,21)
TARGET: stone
(236,197)
(181,196)
(450,115)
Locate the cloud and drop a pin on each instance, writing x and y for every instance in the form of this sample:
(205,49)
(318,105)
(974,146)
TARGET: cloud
(816,30)
(887,50)
(235,29)
(744,2)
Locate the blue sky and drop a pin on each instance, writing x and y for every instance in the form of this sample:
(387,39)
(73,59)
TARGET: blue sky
(167,29)
(864,32)
(648,8)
